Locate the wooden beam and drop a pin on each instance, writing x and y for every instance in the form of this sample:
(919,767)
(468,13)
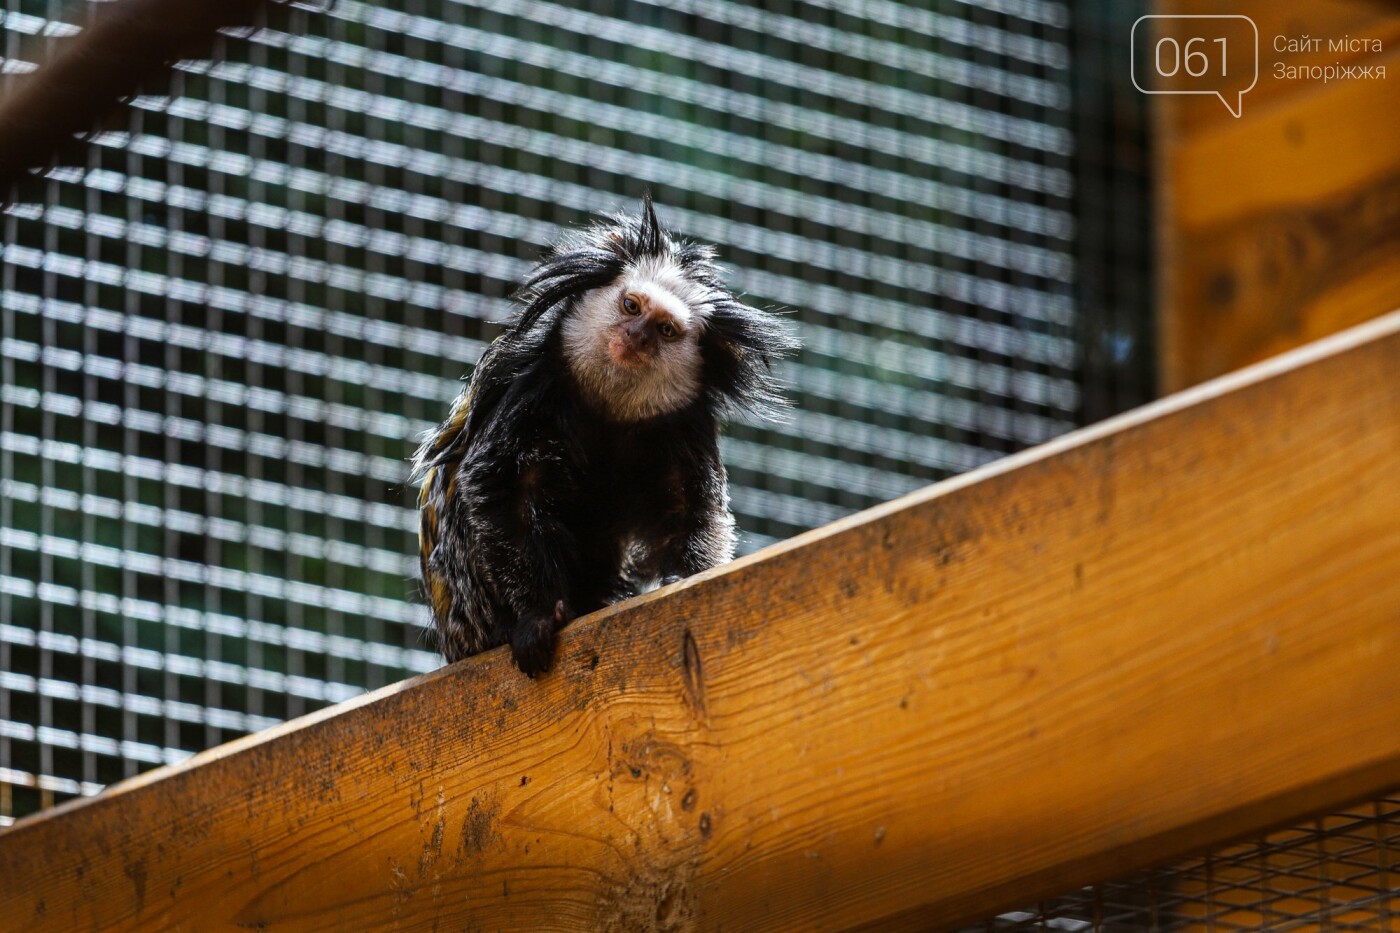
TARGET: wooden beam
(1140,639)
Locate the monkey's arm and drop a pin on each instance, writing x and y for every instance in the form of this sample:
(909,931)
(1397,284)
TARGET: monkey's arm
(518,488)
(704,533)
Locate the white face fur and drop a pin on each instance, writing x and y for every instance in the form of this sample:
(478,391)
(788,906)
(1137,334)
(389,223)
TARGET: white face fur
(630,385)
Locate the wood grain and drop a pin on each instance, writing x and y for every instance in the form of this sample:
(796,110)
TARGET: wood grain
(1284,225)
(1169,629)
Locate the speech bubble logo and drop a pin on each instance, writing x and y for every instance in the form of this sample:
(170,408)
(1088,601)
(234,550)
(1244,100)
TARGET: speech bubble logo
(1197,54)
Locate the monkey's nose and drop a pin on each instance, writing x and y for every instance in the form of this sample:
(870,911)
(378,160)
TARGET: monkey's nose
(640,332)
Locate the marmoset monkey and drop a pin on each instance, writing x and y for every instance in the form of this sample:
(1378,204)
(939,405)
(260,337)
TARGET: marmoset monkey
(580,465)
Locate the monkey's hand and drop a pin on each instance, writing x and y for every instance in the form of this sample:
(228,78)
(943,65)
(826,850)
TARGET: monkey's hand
(532,640)
(532,644)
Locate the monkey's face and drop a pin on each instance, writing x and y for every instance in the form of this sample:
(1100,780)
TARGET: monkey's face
(634,345)
(651,321)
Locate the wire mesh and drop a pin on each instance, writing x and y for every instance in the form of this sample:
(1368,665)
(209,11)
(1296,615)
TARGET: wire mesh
(226,323)
(1335,873)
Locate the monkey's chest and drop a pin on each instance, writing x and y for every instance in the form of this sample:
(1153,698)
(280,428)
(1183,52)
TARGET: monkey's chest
(634,492)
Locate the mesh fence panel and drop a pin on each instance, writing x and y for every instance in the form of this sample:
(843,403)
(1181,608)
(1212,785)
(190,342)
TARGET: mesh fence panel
(227,322)
(1340,872)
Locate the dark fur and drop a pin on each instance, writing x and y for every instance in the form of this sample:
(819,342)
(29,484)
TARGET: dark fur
(535,507)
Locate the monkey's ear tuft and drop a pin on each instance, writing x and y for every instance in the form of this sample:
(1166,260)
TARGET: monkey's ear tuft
(566,273)
(740,344)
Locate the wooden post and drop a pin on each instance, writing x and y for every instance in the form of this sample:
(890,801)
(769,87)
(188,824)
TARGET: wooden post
(1283,225)
(1148,636)
(128,45)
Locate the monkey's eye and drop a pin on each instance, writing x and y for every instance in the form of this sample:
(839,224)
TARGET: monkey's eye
(630,306)
(668,330)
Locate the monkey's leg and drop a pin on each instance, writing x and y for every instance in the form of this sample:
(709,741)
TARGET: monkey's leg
(466,618)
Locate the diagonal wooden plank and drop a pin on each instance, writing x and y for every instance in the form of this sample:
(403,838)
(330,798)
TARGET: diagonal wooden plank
(1145,637)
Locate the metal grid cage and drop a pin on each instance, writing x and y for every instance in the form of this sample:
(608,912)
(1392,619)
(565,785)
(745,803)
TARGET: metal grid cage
(1338,872)
(227,321)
